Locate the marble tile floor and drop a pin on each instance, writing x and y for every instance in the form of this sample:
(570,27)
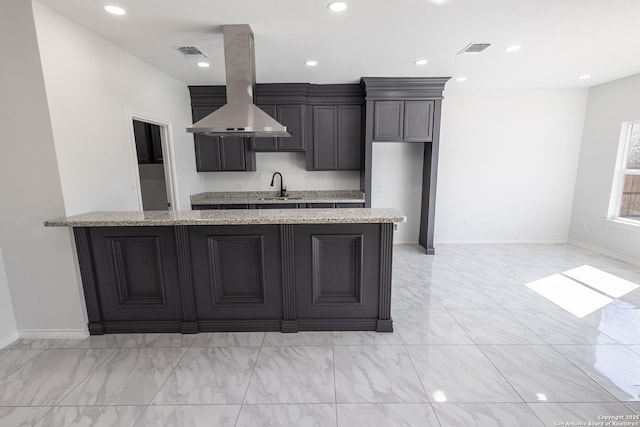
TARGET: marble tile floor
(473,346)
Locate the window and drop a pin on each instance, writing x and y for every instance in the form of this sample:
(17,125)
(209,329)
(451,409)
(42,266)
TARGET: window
(626,190)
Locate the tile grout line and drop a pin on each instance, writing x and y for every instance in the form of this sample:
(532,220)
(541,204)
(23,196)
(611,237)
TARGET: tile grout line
(335,385)
(422,385)
(255,364)
(163,382)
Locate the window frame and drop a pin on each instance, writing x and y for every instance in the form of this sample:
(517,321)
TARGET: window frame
(620,172)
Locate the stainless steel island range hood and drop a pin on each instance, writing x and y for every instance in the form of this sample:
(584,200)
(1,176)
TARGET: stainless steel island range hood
(239,117)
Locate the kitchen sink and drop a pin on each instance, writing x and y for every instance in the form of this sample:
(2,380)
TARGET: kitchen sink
(281,198)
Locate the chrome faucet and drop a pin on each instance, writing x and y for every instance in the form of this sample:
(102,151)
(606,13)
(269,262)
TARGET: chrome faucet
(283,190)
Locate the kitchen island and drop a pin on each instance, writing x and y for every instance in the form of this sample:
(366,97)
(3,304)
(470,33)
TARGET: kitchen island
(195,271)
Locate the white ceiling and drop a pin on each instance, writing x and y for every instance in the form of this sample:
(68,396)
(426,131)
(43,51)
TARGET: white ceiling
(560,39)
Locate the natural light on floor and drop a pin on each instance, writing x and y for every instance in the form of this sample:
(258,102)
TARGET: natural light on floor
(582,290)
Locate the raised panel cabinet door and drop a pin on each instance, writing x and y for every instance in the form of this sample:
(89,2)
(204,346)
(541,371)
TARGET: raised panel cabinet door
(325,138)
(388,120)
(293,117)
(142,141)
(418,121)
(265,143)
(349,137)
(136,273)
(236,272)
(232,154)
(337,271)
(207,153)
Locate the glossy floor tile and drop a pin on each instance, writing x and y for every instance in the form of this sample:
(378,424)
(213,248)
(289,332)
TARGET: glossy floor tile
(376,374)
(460,373)
(540,373)
(486,415)
(90,416)
(208,375)
(472,346)
(129,377)
(386,414)
(302,374)
(292,415)
(614,367)
(189,416)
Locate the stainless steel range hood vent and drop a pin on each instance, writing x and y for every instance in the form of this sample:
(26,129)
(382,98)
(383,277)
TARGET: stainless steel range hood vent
(239,117)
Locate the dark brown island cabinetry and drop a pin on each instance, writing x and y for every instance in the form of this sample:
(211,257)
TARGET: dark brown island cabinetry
(294,118)
(207,278)
(221,154)
(407,121)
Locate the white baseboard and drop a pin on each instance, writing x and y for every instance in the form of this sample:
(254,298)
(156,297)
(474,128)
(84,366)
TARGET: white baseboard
(53,333)
(5,341)
(604,252)
(502,242)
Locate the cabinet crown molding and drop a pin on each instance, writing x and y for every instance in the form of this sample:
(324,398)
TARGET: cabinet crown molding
(403,87)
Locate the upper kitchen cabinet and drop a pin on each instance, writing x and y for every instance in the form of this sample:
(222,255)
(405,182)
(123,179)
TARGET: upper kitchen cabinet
(293,117)
(216,154)
(408,121)
(336,128)
(285,102)
(148,142)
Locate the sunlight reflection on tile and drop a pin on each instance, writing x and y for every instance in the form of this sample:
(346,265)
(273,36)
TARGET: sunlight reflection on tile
(574,297)
(601,280)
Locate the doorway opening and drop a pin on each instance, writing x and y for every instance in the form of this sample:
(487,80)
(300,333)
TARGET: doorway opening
(152,152)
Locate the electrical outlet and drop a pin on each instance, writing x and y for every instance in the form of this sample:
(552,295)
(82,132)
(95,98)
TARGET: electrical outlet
(467,223)
(395,227)
(584,226)
(378,190)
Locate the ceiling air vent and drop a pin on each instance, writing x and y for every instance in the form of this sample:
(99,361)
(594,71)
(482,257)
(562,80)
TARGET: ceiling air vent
(474,48)
(190,51)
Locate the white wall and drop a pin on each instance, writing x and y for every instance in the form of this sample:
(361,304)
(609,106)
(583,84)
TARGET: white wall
(508,162)
(291,166)
(93,88)
(8,327)
(396,183)
(38,261)
(609,105)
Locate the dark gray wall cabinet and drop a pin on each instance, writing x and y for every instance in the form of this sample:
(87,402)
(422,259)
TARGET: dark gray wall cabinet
(217,154)
(408,121)
(293,117)
(337,137)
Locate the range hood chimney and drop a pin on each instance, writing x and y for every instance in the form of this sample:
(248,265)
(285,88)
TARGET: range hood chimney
(239,117)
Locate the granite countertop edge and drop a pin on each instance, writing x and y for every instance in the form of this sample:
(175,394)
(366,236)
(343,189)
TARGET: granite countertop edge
(230,217)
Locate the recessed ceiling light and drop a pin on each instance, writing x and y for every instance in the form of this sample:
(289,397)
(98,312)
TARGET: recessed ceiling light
(461,79)
(513,48)
(114,10)
(337,6)
(203,64)
(421,62)
(585,76)
(311,63)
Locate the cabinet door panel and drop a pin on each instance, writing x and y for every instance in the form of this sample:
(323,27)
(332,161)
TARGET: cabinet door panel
(388,120)
(232,154)
(337,271)
(418,121)
(293,117)
(325,138)
(265,143)
(136,273)
(349,137)
(207,153)
(236,272)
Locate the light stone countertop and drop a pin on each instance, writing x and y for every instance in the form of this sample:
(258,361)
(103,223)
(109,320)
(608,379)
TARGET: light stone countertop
(257,197)
(230,217)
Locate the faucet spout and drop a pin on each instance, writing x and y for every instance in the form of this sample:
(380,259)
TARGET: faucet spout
(283,189)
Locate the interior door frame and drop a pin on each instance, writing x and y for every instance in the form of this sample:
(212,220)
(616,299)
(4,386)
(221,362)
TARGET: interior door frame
(168,158)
